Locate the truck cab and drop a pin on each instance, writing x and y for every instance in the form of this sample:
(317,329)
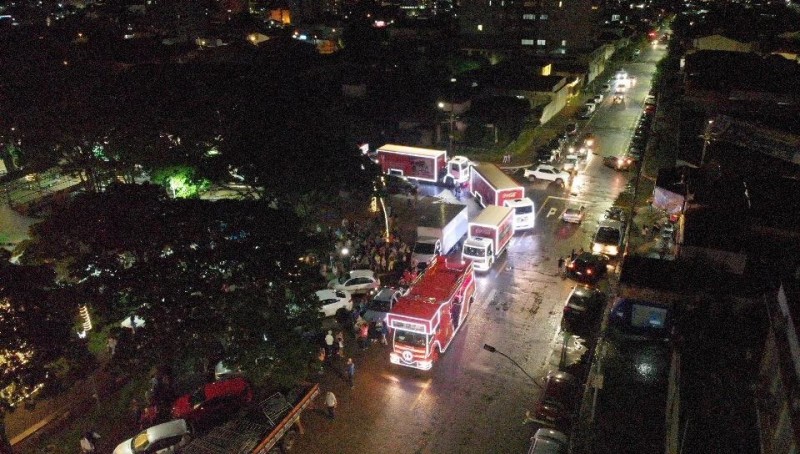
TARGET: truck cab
(458,169)
(524,213)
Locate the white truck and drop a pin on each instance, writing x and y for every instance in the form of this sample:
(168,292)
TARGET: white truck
(439,228)
(423,164)
(489,235)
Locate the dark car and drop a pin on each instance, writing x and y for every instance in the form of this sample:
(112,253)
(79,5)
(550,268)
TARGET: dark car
(571,128)
(588,267)
(379,306)
(558,400)
(620,163)
(213,402)
(582,310)
(543,155)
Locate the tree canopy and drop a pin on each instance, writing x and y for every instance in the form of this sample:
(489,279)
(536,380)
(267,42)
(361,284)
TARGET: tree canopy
(212,280)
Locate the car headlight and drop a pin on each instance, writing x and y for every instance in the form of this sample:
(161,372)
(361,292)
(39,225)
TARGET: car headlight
(597,247)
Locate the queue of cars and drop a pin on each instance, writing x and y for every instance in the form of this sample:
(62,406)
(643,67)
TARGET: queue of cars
(210,404)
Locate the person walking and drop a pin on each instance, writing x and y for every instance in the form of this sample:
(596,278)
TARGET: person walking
(330,403)
(384,330)
(350,368)
(363,335)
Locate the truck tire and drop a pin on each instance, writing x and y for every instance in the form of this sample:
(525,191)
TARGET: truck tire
(288,441)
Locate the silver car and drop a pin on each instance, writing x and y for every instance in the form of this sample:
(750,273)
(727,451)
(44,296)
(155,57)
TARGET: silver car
(573,213)
(164,438)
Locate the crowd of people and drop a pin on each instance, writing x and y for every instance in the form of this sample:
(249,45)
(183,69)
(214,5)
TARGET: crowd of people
(365,246)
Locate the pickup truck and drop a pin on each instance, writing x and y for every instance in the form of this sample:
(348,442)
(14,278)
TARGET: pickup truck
(272,424)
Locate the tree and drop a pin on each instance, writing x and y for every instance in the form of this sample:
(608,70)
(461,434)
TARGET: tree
(40,350)
(212,280)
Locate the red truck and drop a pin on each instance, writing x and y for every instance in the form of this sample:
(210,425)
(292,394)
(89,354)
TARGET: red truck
(425,320)
(489,234)
(423,164)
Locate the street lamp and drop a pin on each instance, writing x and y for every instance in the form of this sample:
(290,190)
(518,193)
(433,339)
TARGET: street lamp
(706,141)
(442,106)
(491,349)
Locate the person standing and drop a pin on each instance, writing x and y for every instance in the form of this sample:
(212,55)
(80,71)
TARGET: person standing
(340,343)
(350,368)
(363,335)
(329,344)
(111,345)
(330,402)
(88,442)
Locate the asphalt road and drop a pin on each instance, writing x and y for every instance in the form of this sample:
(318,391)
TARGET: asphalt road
(474,401)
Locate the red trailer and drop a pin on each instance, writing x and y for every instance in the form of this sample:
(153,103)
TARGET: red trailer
(425,320)
(490,186)
(411,162)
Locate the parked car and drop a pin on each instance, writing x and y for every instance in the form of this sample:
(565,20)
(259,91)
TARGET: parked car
(356,282)
(650,100)
(547,173)
(571,128)
(213,402)
(598,98)
(164,438)
(606,88)
(608,238)
(588,267)
(380,305)
(582,309)
(543,155)
(333,300)
(548,441)
(558,400)
(574,213)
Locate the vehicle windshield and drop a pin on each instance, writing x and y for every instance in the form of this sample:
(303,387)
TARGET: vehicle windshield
(607,235)
(524,210)
(573,211)
(474,251)
(412,339)
(425,248)
(379,305)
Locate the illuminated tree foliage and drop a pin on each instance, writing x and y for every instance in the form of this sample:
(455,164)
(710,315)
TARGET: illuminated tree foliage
(212,280)
(40,350)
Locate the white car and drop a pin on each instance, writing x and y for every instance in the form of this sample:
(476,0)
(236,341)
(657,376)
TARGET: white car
(547,173)
(573,213)
(164,438)
(598,98)
(356,282)
(333,300)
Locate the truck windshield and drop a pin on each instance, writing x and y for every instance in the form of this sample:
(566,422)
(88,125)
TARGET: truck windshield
(474,251)
(524,210)
(607,235)
(425,248)
(413,339)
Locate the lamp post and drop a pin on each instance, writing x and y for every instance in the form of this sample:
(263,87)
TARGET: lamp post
(491,349)
(442,106)
(706,141)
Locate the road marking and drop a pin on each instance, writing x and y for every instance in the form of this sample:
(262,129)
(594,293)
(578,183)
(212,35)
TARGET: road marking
(551,212)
